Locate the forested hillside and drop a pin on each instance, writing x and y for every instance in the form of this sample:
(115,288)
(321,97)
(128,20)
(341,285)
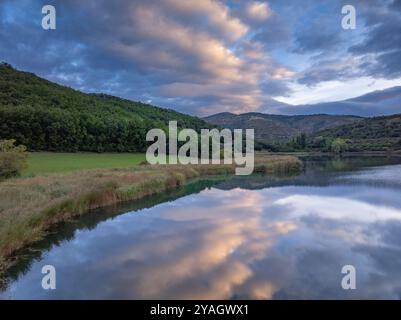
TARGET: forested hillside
(46,116)
(271,129)
(370,134)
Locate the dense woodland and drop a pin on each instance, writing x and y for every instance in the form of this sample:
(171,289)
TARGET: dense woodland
(46,116)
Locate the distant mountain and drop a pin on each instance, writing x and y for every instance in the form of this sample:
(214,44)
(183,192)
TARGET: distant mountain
(46,116)
(377,133)
(381,102)
(271,129)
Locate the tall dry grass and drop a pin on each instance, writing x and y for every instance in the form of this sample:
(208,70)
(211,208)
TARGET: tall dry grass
(29,206)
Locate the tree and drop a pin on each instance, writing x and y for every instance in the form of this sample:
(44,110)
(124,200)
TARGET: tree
(301,141)
(339,145)
(12,159)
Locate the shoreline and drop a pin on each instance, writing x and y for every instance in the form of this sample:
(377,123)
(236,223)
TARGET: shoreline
(31,206)
(331,154)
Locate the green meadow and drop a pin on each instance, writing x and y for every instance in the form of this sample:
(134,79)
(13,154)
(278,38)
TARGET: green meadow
(43,163)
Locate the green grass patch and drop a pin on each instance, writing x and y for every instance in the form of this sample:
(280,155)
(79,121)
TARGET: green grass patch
(43,163)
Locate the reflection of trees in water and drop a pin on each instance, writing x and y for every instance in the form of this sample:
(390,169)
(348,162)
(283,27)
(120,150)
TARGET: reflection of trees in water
(319,171)
(347,163)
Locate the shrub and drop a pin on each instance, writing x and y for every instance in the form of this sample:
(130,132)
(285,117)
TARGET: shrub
(12,159)
(339,145)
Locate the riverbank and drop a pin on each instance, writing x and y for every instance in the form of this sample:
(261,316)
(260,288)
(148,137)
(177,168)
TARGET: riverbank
(344,154)
(30,206)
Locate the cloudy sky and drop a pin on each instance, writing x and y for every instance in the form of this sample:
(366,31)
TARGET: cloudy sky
(202,57)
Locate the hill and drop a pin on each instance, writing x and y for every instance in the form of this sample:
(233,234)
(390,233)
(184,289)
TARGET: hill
(46,116)
(271,129)
(370,134)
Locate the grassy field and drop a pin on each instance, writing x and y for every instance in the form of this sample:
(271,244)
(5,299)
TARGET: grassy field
(29,206)
(44,163)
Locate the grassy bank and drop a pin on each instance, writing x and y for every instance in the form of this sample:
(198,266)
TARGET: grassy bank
(44,163)
(30,206)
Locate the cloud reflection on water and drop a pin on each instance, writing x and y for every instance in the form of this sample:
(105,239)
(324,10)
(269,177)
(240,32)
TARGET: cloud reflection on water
(283,242)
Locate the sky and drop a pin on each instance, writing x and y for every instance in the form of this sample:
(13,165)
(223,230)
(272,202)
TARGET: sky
(208,56)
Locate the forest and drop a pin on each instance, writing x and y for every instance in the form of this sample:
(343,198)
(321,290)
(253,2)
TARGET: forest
(46,116)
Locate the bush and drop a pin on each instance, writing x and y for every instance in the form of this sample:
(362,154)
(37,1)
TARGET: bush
(12,159)
(339,145)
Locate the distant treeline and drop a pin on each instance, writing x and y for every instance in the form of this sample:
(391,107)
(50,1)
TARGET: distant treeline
(45,116)
(370,134)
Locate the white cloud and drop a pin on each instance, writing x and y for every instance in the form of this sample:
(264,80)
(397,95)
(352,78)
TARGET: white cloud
(335,90)
(258,11)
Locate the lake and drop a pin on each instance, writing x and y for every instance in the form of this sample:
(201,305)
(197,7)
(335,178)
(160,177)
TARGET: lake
(236,238)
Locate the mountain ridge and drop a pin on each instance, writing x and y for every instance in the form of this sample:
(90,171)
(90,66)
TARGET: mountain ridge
(272,128)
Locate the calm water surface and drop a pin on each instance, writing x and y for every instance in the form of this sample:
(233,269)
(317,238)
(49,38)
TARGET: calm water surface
(252,238)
